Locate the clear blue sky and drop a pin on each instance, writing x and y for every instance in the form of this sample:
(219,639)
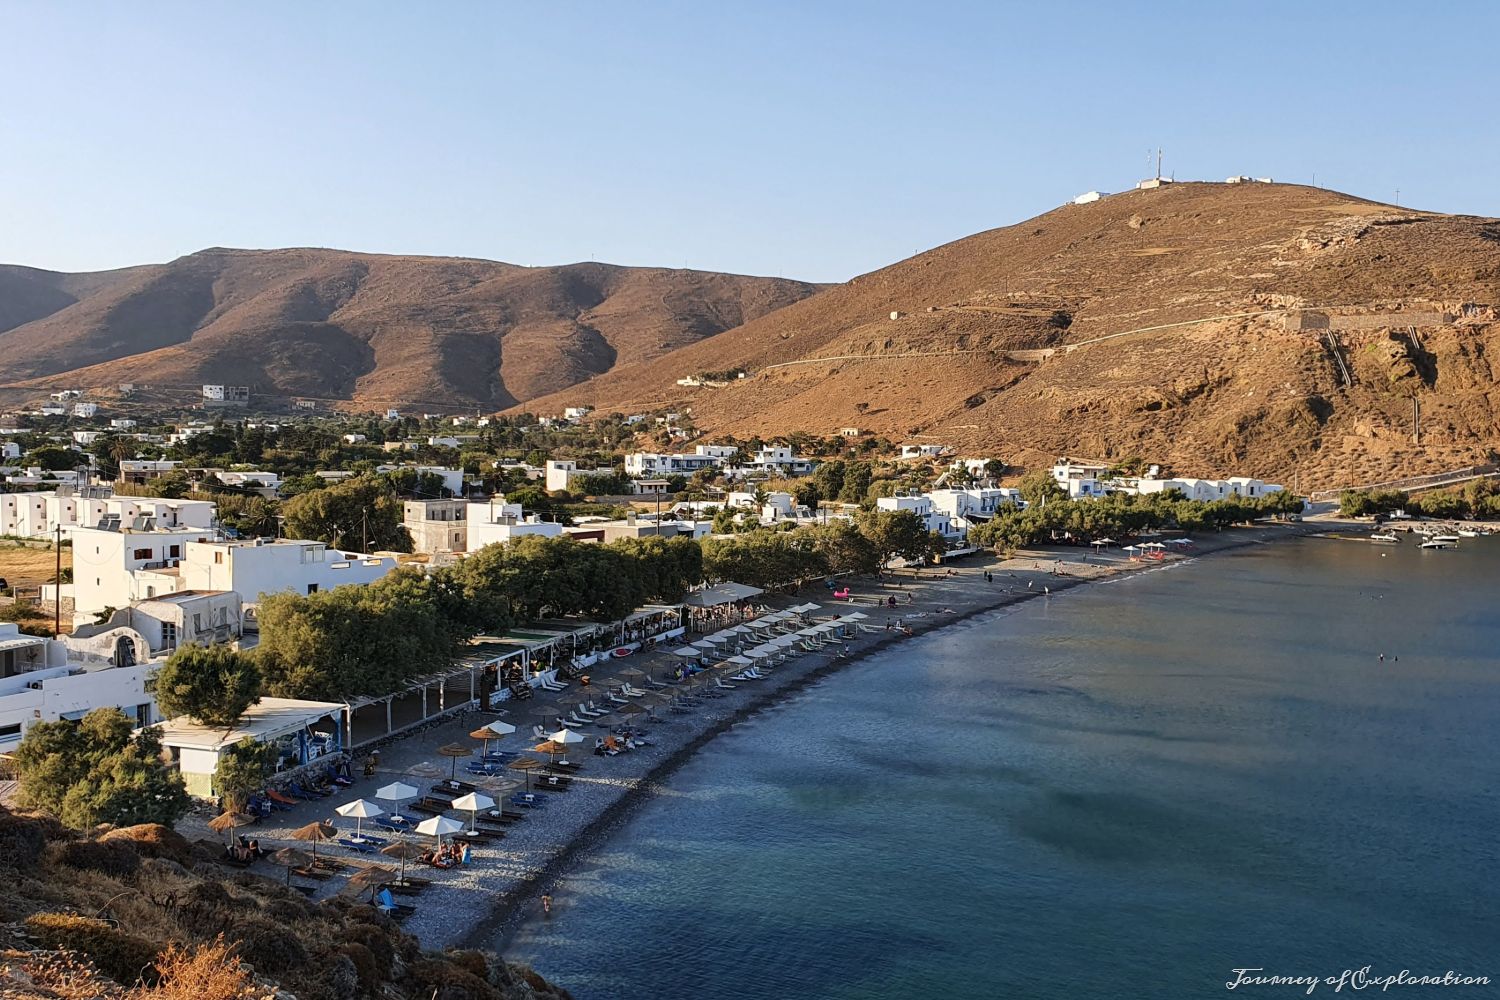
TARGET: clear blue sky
(812,139)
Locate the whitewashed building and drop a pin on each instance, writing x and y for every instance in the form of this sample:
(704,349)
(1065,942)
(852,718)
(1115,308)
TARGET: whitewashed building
(38,683)
(494,522)
(437,525)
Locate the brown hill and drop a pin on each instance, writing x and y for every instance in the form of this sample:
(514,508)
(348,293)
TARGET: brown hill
(363,327)
(1202,386)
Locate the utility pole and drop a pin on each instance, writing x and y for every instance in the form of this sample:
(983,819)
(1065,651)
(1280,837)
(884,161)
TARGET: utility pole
(57,586)
(364,520)
(1158,163)
(1416,419)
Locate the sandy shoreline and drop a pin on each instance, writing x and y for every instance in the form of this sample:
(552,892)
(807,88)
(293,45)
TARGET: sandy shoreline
(481,904)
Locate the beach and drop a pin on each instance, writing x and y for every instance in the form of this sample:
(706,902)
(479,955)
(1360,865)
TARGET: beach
(477,905)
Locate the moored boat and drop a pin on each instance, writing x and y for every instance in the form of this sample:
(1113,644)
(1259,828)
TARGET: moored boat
(1386,539)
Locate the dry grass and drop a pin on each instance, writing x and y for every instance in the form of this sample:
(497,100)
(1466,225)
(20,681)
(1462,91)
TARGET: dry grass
(22,565)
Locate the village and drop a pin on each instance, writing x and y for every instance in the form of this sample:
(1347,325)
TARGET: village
(166,553)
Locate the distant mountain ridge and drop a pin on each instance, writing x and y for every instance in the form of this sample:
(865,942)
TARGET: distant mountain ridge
(362,327)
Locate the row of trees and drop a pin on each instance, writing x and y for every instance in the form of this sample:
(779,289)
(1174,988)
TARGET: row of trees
(1124,514)
(1478,500)
(773,557)
(376,638)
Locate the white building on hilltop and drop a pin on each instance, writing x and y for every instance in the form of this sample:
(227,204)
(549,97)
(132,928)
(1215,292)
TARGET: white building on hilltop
(978,503)
(952,529)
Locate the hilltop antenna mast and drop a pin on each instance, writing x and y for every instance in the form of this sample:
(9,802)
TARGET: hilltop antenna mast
(1158,163)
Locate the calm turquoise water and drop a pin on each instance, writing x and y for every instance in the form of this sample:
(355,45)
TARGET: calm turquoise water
(1127,791)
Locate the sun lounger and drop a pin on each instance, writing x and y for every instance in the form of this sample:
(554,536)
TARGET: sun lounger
(452,786)
(590,711)
(312,873)
(280,798)
(387,904)
(349,844)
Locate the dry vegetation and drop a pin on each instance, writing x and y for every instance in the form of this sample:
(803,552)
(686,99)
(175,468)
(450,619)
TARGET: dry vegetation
(29,566)
(141,914)
(1235,395)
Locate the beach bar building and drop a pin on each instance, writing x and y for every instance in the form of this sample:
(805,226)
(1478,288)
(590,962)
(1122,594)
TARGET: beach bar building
(304,731)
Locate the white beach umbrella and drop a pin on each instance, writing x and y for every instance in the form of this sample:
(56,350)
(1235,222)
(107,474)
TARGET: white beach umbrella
(397,792)
(739,661)
(439,827)
(808,631)
(361,810)
(472,804)
(688,651)
(500,728)
(705,644)
(565,737)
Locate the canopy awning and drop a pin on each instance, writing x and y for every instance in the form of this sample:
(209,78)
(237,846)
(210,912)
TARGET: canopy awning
(721,594)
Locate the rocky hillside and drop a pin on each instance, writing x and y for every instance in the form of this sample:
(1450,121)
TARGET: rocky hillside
(141,914)
(1182,325)
(373,329)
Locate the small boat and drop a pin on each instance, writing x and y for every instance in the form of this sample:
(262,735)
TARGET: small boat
(1466,533)
(1445,538)
(1386,539)
(1434,543)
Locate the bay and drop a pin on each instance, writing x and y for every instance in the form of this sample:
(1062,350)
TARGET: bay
(1129,789)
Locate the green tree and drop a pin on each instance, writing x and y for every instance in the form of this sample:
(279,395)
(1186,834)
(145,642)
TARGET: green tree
(213,685)
(1039,487)
(895,533)
(53,458)
(856,482)
(845,548)
(96,771)
(345,514)
(243,769)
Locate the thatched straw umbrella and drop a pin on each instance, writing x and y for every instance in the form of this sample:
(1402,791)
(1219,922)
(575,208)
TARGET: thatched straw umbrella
(225,822)
(289,858)
(525,765)
(403,851)
(315,833)
(373,876)
(455,751)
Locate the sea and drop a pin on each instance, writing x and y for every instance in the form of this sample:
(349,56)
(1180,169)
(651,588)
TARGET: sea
(1284,758)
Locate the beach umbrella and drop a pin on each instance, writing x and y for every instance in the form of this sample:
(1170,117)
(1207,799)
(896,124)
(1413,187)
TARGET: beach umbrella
(500,728)
(315,833)
(626,710)
(455,751)
(397,792)
(471,804)
(484,734)
(566,737)
(289,858)
(404,852)
(361,810)
(373,876)
(525,765)
(633,672)
(439,827)
(225,822)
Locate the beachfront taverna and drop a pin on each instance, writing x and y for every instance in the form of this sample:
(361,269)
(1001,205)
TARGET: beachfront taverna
(304,731)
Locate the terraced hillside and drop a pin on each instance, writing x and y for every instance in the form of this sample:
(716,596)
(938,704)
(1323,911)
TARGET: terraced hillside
(1183,324)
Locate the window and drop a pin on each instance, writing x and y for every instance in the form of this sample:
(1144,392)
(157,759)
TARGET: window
(168,635)
(11,732)
(219,558)
(141,554)
(197,623)
(174,551)
(312,588)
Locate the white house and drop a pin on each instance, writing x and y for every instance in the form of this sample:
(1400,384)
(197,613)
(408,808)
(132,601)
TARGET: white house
(115,566)
(723,451)
(38,515)
(647,463)
(153,629)
(85,410)
(267,484)
(9,451)
(83,439)
(561,474)
(38,683)
(953,529)
(453,479)
(576,413)
(303,731)
(139,471)
(121,423)
(977,503)
(1244,486)
(491,522)
(778,505)
(260,566)
(355,439)
(909,451)
(775,460)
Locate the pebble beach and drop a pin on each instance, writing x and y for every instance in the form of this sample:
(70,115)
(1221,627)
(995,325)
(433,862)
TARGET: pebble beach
(477,904)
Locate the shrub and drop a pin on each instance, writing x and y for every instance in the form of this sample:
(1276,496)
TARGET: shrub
(22,840)
(375,941)
(447,981)
(122,957)
(268,946)
(106,857)
(152,840)
(364,963)
(210,972)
